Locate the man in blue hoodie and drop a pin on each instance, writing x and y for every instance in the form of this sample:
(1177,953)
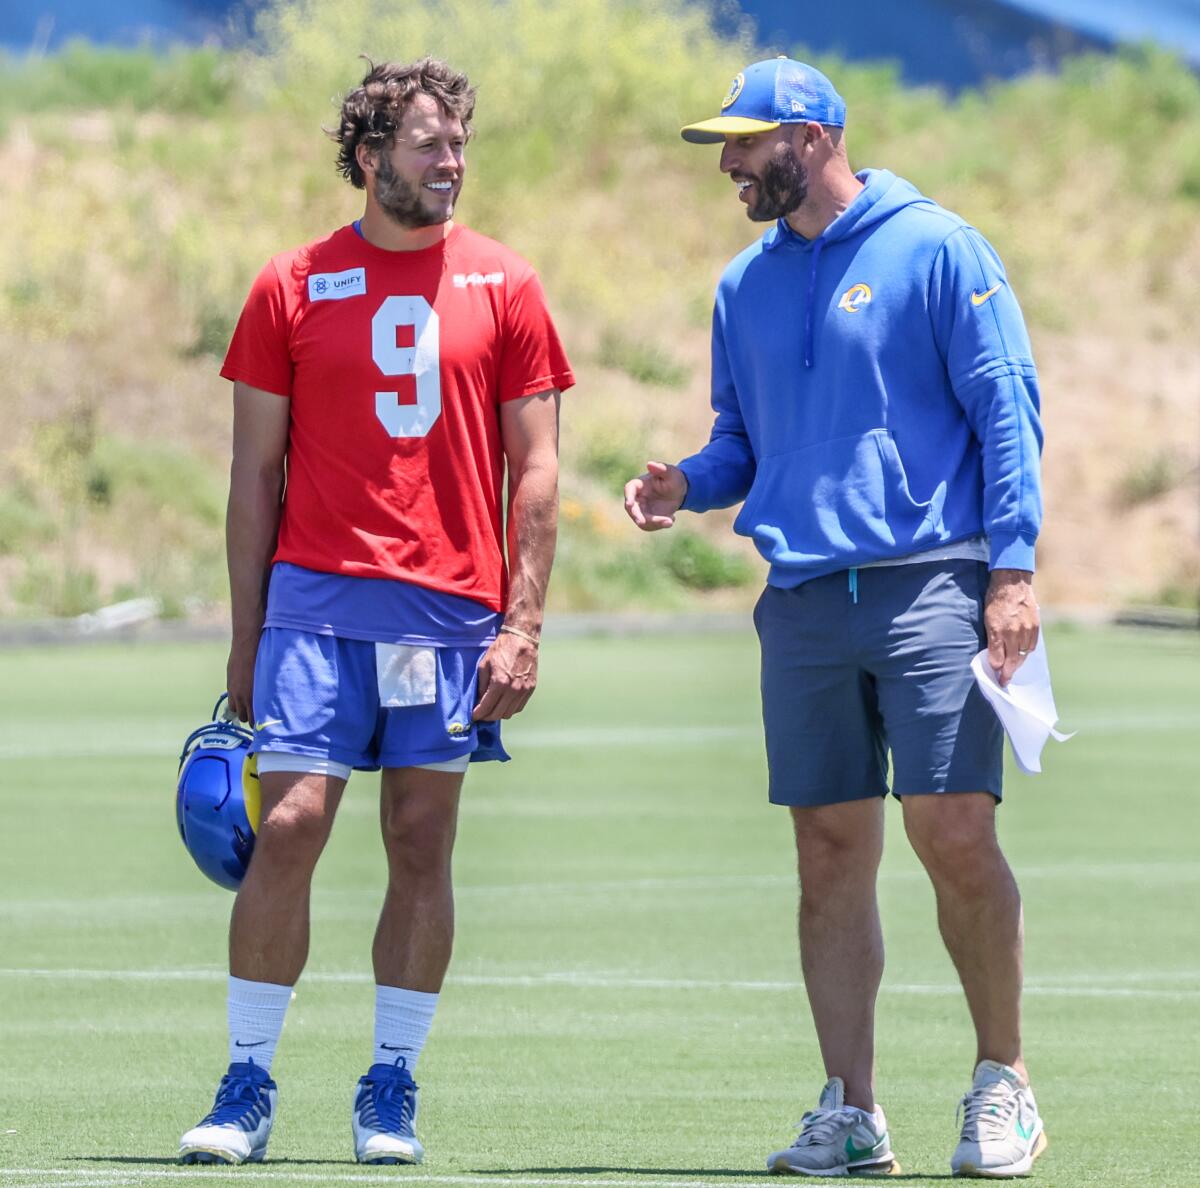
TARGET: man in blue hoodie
(877,410)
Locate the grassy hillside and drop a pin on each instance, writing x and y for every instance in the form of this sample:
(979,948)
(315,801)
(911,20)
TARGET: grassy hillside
(141,194)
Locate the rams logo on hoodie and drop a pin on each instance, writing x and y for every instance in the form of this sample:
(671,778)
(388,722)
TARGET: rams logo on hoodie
(855,297)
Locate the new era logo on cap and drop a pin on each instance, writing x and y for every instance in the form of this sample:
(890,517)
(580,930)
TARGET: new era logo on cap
(767,94)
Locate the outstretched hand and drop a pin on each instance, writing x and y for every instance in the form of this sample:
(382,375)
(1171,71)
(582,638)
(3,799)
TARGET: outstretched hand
(653,498)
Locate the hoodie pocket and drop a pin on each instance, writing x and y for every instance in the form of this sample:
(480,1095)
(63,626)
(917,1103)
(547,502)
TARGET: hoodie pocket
(841,500)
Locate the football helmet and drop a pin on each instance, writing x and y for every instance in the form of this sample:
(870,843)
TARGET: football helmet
(217,801)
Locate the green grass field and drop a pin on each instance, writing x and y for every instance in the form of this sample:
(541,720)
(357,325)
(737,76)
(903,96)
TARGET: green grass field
(624,1006)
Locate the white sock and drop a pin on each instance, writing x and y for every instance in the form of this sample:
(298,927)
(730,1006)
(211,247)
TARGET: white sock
(402,1021)
(256,1011)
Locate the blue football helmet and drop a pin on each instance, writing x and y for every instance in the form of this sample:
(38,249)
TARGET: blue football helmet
(217,801)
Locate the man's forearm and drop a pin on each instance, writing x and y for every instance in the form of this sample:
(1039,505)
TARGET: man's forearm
(532,530)
(251,531)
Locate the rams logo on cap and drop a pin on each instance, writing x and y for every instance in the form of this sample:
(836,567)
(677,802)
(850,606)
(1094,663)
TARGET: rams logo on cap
(855,297)
(735,89)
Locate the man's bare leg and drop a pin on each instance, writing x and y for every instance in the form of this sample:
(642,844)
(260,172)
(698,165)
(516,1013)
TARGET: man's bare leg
(268,933)
(979,912)
(841,944)
(419,819)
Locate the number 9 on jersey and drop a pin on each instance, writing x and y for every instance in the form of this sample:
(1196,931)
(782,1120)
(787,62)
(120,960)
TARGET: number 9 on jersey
(421,361)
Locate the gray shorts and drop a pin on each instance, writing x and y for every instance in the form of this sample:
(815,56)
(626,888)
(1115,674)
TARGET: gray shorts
(867,661)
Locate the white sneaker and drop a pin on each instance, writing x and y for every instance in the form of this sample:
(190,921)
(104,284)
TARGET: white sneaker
(1002,1133)
(837,1140)
(236,1129)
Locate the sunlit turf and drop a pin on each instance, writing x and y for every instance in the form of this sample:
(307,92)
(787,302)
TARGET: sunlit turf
(624,1003)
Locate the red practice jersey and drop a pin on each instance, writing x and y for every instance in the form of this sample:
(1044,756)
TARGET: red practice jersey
(396,364)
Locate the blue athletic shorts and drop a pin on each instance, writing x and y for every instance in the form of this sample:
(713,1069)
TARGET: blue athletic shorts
(319,695)
(860,663)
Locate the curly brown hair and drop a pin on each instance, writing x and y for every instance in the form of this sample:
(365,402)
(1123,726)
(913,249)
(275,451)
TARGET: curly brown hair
(372,112)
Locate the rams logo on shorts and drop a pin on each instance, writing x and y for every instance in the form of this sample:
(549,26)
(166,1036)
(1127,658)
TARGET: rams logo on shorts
(458,729)
(855,297)
(735,89)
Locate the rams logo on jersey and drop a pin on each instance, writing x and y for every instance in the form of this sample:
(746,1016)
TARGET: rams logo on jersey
(735,89)
(855,297)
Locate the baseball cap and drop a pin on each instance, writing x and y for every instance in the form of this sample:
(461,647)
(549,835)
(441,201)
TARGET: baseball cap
(767,94)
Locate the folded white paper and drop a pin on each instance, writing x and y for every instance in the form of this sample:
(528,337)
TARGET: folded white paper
(1025,706)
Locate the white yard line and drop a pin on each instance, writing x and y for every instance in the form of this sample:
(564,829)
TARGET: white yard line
(1063,870)
(38,1178)
(94,1176)
(75,1177)
(1072,986)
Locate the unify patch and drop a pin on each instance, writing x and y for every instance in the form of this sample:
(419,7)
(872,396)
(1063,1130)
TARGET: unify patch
(333,286)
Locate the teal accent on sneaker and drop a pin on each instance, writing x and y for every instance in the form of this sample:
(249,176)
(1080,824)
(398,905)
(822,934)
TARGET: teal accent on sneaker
(854,1154)
(837,1140)
(1001,1132)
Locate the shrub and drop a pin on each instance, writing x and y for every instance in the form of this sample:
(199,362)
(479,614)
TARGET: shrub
(696,563)
(142,478)
(612,457)
(82,76)
(23,524)
(1148,479)
(643,361)
(61,590)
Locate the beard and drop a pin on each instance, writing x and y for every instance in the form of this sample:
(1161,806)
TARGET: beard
(782,188)
(403,202)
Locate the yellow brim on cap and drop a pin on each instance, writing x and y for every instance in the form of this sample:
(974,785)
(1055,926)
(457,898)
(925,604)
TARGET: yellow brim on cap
(714,131)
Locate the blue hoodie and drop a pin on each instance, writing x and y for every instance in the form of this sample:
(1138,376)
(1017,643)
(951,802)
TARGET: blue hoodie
(874,390)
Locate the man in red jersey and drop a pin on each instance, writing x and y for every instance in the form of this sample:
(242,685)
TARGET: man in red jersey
(391,370)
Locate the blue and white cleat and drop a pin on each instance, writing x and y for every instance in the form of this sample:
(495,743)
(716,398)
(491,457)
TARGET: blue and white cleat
(236,1129)
(385,1110)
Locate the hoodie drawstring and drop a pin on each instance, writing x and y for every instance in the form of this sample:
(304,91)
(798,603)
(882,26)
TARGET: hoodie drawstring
(818,244)
(853,585)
